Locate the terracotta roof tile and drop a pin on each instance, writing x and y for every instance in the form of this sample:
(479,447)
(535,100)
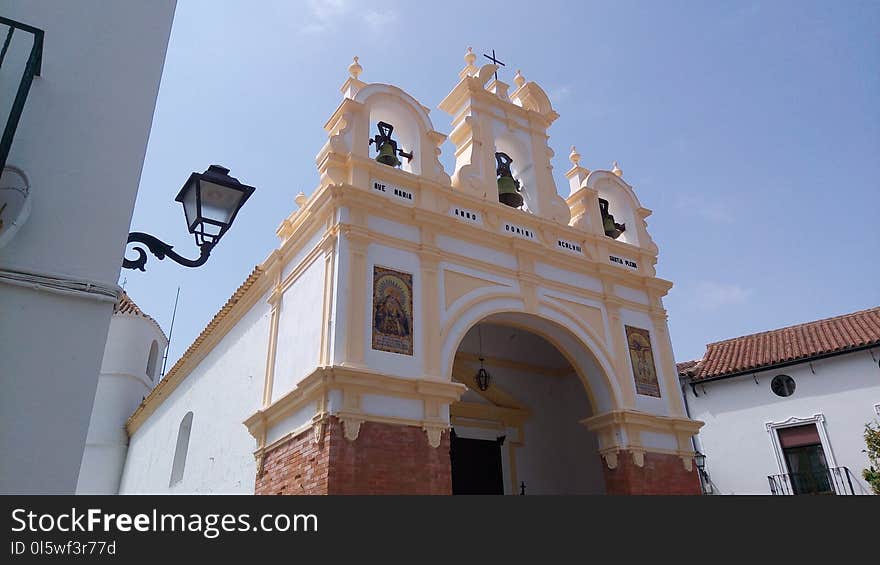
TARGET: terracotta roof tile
(800,342)
(125,306)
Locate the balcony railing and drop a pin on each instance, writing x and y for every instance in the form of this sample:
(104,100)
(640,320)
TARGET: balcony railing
(837,480)
(21,55)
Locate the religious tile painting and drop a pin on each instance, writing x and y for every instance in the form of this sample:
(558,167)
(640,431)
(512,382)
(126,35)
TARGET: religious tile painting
(642,357)
(392,311)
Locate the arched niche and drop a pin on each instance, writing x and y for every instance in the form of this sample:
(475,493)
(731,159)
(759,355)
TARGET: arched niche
(152,360)
(181,449)
(517,147)
(413,129)
(622,204)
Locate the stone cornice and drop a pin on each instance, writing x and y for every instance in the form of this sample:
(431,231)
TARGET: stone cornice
(354,381)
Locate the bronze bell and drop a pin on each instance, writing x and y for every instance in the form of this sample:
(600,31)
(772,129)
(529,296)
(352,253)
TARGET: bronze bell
(387,147)
(612,228)
(387,155)
(508,187)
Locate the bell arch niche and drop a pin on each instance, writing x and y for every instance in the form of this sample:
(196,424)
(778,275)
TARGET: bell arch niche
(413,130)
(622,205)
(515,145)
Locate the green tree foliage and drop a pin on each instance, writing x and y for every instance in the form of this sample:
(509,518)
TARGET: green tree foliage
(872,440)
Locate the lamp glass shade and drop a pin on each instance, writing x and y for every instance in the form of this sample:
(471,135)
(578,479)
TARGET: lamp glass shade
(211,201)
(190,203)
(219,202)
(700,460)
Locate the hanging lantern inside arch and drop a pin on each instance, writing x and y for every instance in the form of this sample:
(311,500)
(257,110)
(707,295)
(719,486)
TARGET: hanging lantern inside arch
(387,148)
(483,378)
(508,187)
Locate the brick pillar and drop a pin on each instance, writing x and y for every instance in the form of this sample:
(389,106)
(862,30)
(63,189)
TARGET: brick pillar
(662,474)
(384,459)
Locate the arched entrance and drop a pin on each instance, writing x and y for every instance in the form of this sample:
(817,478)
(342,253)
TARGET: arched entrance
(524,431)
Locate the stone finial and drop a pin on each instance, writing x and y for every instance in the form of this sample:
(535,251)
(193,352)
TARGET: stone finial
(469,57)
(574,156)
(469,69)
(518,79)
(355,69)
(616,170)
(301,199)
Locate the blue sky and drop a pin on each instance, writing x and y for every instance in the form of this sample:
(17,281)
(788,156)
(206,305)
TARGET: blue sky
(751,129)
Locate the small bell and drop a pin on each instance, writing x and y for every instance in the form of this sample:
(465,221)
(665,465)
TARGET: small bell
(612,228)
(387,147)
(508,187)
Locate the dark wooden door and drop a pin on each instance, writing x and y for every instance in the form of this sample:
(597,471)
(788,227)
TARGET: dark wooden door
(476,465)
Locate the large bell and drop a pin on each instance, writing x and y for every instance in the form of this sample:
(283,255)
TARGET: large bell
(508,192)
(508,187)
(612,228)
(387,155)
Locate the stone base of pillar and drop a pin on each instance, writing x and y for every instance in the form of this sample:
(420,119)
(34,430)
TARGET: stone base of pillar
(661,474)
(382,459)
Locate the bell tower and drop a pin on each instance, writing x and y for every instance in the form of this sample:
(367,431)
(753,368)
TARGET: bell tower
(487,121)
(388,267)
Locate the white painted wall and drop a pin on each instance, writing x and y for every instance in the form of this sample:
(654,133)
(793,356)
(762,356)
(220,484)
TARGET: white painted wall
(224,390)
(738,448)
(81,140)
(299,330)
(122,385)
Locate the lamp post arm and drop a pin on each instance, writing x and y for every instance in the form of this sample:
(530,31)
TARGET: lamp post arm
(161,250)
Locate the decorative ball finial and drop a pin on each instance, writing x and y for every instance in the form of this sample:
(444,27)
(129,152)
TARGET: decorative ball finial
(616,170)
(518,79)
(469,57)
(574,156)
(355,69)
(301,199)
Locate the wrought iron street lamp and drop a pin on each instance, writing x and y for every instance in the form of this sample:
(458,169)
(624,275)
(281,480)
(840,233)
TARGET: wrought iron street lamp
(700,460)
(211,200)
(705,483)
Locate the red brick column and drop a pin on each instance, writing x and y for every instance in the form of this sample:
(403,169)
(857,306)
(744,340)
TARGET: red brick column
(384,459)
(662,474)
(298,466)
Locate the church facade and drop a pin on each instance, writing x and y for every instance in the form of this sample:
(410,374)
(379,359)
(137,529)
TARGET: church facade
(424,333)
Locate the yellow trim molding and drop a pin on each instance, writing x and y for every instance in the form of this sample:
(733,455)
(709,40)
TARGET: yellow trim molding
(632,423)
(353,383)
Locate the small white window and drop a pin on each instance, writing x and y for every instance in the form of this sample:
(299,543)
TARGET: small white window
(181,449)
(152,359)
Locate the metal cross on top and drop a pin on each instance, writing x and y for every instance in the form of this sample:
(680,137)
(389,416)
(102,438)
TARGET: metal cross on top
(494,60)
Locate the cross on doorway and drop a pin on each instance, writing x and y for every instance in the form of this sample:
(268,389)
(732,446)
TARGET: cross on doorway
(494,60)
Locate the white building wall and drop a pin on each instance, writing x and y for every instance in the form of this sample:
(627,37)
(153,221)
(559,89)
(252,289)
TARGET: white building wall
(122,385)
(738,447)
(81,140)
(225,388)
(299,330)
(559,455)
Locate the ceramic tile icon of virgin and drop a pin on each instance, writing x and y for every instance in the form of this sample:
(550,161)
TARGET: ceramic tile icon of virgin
(392,311)
(644,370)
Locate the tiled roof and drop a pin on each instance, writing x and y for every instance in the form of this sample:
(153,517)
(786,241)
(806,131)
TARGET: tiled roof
(125,306)
(794,343)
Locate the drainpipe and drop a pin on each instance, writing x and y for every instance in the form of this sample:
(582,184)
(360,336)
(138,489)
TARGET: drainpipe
(695,440)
